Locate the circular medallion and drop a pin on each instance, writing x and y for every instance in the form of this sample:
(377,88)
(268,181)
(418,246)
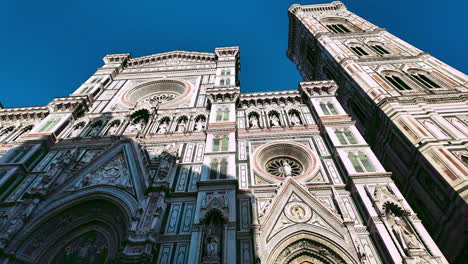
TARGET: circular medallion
(298,212)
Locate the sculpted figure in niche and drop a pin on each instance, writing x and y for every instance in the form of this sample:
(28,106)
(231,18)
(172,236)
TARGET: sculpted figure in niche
(287,168)
(295,119)
(113,128)
(253,121)
(135,126)
(274,120)
(181,126)
(406,237)
(94,131)
(76,130)
(212,247)
(162,129)
(200,125)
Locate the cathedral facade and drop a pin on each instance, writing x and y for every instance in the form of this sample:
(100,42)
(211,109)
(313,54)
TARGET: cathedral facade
(162,159)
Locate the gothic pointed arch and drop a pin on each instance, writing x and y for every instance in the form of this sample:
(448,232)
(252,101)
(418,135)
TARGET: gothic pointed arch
(90,225)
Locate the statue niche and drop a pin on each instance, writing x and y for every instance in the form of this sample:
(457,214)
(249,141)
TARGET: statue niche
(402,230)
(213,230)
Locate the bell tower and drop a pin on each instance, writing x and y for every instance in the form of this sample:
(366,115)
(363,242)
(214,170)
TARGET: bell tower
(411,108)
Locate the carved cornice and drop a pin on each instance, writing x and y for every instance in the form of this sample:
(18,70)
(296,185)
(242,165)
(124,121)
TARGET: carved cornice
(178,54)
(223,94)
(267,98)
(318,88)
(69,104)
(23,113)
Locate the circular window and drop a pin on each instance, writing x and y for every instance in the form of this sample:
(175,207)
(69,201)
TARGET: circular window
(157,92)
(284,159)
(283,167)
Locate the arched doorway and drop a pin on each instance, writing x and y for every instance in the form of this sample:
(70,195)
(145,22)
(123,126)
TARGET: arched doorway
(89,232)
(311,248)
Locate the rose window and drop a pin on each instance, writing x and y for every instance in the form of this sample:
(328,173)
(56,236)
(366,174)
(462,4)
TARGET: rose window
(280,159)
(283,167)
(161,98)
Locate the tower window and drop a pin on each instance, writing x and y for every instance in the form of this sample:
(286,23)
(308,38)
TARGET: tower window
(221,82)
(328,108)
(228,81)
(218,170)
(359,51)
(338,28)
(360,162)
(379,49)
(397,82)
(220,143)
(345,137)
(222,115)
(423,79)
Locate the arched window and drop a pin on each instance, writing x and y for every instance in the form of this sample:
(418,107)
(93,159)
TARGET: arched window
(214,167)
(220,143)
(224,143)
(228,81)
(328,108)
(359,50)
(338,28)
(226,115)
(397,81)
(345,137)
(221,82)
(228,72)
(223,72)
(424,78)
(222,114)
(219,115)
(223,169)
(459,125)
(360,162)
(379,49)
(49,125)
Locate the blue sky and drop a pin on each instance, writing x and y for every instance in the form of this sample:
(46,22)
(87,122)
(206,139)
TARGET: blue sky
(50,47)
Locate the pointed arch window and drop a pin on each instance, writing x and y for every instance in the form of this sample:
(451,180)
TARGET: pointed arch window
(222,115)
(223,72)
(328,108)
(359,51)
(49,125)
(218,170)
(397,82)
(425,80)
(338,28)
(220,143)
(228,81)
(361,162)
(379,49)
(221,82)
(214,167)
(223,169)
(345,137)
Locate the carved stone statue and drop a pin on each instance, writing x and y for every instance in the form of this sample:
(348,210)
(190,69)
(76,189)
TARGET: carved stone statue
(295,119)
(135,126)
(212,247)
(113,128)
(162,129)
(94,131)
(253,120)
(76,131)
(181,126)
(274,121)
(199,125)
(287,168)
(406,237)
